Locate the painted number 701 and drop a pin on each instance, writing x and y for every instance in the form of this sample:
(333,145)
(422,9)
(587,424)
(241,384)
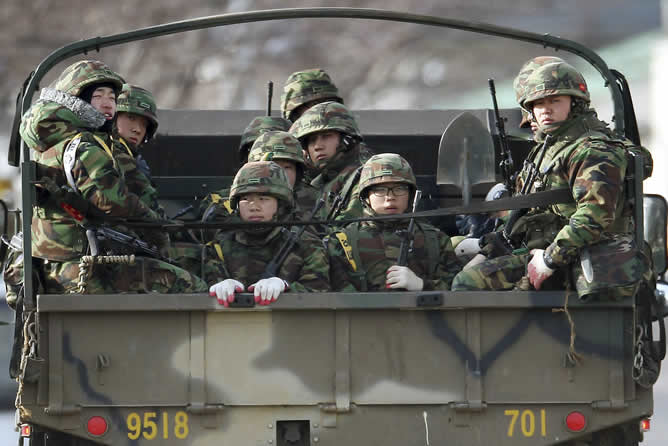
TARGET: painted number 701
(528,422)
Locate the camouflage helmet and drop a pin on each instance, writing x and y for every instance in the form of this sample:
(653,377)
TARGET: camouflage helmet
(519,84)
(75,78)
(326,116)
(261,177)
(306,86)
(553,79)
(386,168)
(275,146)
(139,101)
(260,125)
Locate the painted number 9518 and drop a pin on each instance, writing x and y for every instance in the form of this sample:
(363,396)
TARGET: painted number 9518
(151,424)
(530,424)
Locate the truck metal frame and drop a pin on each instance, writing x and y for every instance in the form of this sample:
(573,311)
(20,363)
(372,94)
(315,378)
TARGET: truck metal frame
(327,368)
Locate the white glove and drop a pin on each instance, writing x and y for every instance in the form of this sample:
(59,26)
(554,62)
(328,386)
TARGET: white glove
(537,270)
(399,277)
(224,291)
(267,290)
(468,247)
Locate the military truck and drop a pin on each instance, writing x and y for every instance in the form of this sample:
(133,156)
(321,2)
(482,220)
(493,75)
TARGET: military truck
(401,368)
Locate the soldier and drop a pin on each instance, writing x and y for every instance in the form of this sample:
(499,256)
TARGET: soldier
(68,128)
(596,225)
(589,116)
(303,90)
(329,133)
(286,151)
(216,206)
(261,193)
(136,124)
(363,256)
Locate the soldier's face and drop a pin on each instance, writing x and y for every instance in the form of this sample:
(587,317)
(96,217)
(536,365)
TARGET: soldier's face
(257,207)
(551,109)
(104,101)
(290,169)
(386,201)
(132,127)
(322,146)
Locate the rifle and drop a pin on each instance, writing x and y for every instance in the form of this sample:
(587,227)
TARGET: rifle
(407,241)
(343,195)
(526,188)
(272,268)
(506,163)
(101,233)
(82,211)
(270,93)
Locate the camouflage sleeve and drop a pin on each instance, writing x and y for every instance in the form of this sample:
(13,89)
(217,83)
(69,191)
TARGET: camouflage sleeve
(99,182)
(596,175)
(448,266)
(138,183)
(314,274)
(340,274)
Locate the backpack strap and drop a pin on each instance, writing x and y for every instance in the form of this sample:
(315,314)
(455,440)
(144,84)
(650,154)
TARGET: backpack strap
(70,156)
(220,252)
(347,249)
(349,244)
(125,146)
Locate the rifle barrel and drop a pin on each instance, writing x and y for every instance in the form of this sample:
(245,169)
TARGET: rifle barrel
(270,94)
(407,242)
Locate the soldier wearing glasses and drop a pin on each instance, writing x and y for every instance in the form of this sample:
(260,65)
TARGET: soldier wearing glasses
(363,256)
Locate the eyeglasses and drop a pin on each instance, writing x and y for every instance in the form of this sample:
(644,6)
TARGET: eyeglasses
(398,191)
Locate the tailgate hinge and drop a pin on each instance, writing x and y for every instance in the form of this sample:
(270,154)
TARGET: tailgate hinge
(609,405)
(333,408)
(468,406)
(204,409)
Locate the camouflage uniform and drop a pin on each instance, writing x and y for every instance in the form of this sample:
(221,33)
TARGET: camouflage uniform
(340,175)
(361,253)
(593,166)
(60,129)
(244,254)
